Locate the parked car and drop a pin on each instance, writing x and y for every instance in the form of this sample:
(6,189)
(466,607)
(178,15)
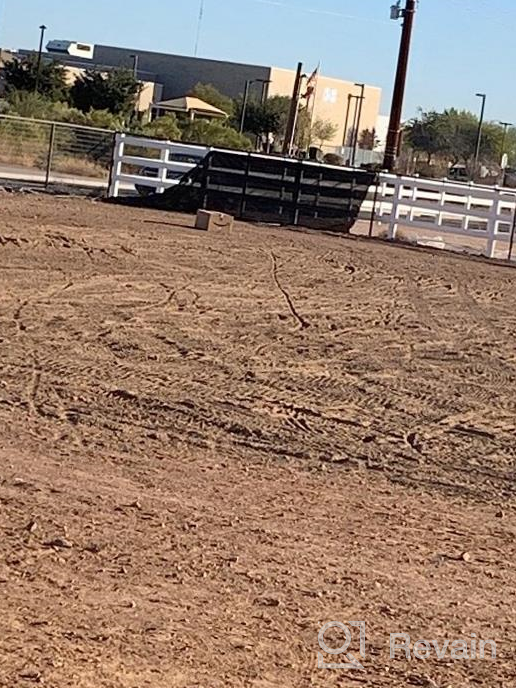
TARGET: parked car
(459,173)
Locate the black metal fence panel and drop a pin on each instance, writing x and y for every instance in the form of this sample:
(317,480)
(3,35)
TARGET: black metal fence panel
(275,190)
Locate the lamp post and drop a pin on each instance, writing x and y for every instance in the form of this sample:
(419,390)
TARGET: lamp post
(483,97)
(248,85)
(346,123)
(351,98)
(42,29)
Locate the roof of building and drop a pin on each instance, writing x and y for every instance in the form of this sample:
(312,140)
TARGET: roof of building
(190,104)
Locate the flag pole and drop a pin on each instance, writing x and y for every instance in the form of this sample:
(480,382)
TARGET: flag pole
(314,95)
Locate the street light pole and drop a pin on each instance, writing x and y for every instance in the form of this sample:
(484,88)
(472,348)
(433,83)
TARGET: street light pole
(244,104)
(483,97)
(42,29)
(393,136)
(248,85)
(346,123)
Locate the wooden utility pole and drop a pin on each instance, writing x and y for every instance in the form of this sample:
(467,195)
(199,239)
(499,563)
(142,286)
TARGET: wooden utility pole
(292,117)
(393,136)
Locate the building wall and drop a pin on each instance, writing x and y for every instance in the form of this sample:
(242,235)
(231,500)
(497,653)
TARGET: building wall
(175,75)
(179,74)
(331,101)
(382,129)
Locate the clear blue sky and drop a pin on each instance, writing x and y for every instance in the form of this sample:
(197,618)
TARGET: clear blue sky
(460,46)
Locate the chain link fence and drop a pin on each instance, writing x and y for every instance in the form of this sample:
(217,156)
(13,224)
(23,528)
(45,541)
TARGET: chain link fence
(45,152)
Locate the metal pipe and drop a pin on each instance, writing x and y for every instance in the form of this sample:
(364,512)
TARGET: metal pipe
(50,156)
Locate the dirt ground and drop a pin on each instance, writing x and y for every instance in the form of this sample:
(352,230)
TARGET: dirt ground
(214,443)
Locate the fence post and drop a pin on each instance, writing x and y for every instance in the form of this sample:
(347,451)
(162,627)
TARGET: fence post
(118,154)
(396,198)
(112,164)
(50,156)
(163,170)
(373,211)
(297,192)
(244,186)
(511,241)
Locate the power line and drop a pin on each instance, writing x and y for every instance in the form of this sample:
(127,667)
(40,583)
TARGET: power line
(309,10)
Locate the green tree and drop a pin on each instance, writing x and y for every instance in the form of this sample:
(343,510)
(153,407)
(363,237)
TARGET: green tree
(114,91)
(215,133)
(213,96)
(303,136)
(22,75)
(33,105)
(323,130)
(166,128)
(427,134)
(261,119)
(368,139)
(452,137)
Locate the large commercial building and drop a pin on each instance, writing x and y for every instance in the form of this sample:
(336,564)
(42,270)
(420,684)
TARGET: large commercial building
(175,75)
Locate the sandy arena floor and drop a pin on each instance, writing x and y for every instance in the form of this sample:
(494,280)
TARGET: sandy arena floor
(213,444)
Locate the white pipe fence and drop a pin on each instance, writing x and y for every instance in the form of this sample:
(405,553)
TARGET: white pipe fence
(152,164)
(450,208)
(465,210)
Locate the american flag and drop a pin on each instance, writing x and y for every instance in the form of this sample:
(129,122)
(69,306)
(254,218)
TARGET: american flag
(311,84)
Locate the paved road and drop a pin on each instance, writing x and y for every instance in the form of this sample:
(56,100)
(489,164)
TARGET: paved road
(31,175)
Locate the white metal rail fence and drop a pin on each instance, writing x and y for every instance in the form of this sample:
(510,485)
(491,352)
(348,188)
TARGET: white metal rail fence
(485,214)
(42,151)
(463,210)
(151,165)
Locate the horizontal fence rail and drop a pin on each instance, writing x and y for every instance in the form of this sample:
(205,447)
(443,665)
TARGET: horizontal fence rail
(449,208)
(150,165)
(463,210)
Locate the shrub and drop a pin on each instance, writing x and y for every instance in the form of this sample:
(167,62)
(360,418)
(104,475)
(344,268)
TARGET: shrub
(215,133)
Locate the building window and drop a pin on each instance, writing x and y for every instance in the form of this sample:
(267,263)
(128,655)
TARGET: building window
(330,95)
